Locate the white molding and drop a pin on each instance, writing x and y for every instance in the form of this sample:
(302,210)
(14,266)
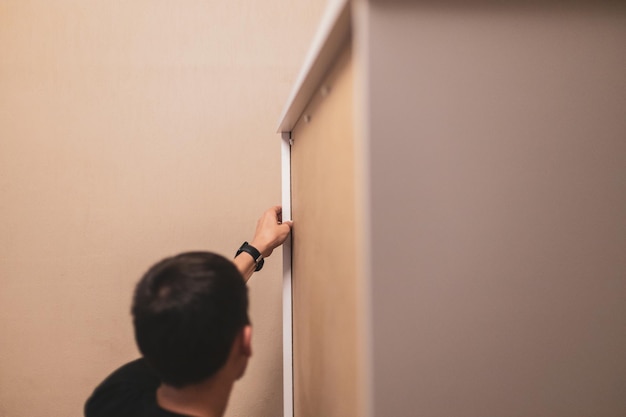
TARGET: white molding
(287,316)
(333,31)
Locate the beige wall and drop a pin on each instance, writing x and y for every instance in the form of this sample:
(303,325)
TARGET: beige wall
(497,196)
(130,131)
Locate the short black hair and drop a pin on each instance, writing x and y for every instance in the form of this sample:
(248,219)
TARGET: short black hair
(187,311)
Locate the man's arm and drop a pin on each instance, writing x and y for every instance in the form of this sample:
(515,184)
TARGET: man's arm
(270,233)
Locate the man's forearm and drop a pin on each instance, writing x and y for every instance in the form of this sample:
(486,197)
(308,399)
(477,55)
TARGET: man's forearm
(245,264)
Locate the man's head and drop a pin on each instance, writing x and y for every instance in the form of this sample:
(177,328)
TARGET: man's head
(188,312)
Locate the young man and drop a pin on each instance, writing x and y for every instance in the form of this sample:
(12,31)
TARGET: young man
(190,314)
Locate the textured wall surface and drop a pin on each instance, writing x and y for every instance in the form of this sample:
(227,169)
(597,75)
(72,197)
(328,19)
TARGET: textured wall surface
(130,131)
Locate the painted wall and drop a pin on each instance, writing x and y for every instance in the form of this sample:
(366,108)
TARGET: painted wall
(497,199)
(130,131)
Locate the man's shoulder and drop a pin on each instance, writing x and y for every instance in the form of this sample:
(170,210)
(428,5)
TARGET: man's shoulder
(137,371)
(128,391)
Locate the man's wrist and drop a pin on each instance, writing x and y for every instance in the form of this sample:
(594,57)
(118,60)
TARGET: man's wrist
(261,247)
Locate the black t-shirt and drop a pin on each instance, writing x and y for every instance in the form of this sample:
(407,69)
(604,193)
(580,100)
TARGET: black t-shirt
(130,391)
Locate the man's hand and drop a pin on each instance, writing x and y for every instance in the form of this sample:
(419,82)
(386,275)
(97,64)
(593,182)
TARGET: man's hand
(271,231)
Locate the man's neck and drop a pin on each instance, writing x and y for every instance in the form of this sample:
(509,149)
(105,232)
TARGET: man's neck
(206,399)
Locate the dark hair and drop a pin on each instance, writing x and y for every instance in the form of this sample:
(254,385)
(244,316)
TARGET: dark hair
(187,310)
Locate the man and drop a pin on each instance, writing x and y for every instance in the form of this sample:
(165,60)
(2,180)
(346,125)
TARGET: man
(190,314)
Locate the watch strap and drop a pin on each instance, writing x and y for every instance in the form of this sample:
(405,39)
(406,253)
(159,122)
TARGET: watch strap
(254,252)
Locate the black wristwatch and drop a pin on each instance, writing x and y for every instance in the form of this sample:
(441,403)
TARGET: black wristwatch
(256,255)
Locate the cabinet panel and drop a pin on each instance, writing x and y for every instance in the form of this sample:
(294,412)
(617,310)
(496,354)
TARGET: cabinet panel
(324,258)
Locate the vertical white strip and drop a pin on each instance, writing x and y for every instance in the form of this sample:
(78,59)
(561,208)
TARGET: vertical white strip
(287,326)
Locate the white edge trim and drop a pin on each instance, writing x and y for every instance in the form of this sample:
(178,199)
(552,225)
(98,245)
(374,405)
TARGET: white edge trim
(333,30)
(287,324)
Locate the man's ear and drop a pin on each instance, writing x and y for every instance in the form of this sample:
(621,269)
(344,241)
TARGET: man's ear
(246,340)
